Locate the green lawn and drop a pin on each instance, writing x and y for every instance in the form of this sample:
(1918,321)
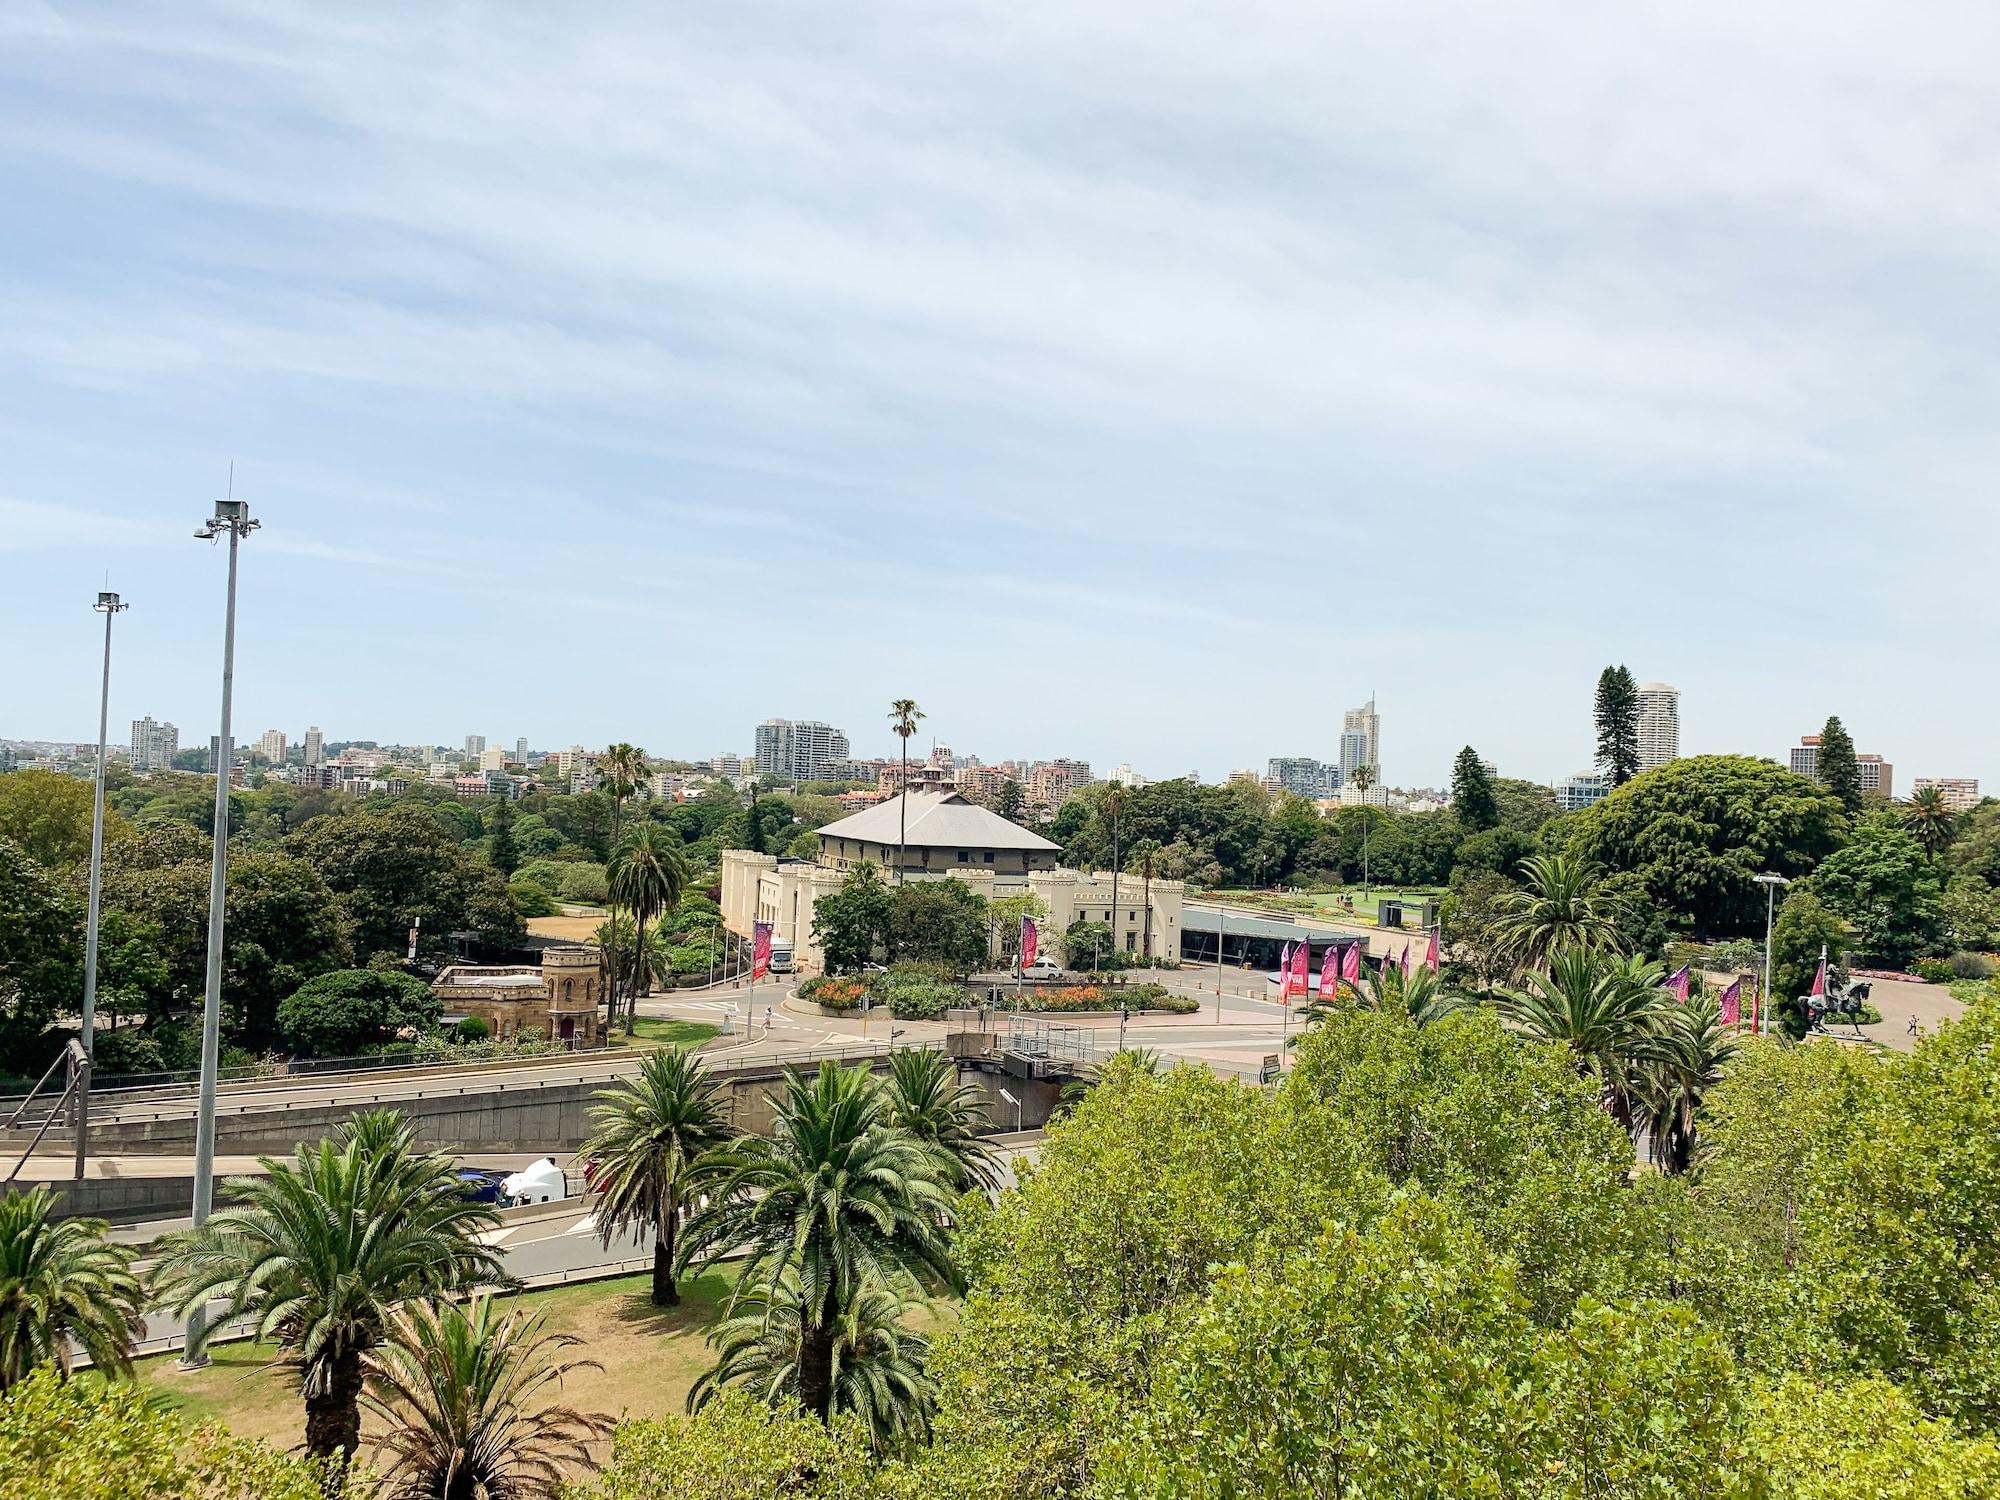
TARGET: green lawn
(659,1031)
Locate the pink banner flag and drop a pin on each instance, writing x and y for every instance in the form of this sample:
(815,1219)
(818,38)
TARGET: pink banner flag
(1431,952)
(1732,1005)
(1031,940)
(760,951)
(1350,964)
(1819,975)
(1677,984)
(1329,971)
(1300,982)
(1285,973)
(1406,960)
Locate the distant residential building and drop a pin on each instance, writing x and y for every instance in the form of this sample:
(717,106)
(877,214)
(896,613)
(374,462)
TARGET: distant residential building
(1961,793)
(154,746)
(980,783)
(1244,777)
(442,770)
(494,759)
(315,745)
(732,766)
(327,778)
(582,777)
(1376,796)
(665,786)
(1301,775)
(1360,741)
(1125,776)
(1051,781)
(521,749)
(1659,725)
(568,760)
(1878,776)
(474,744)
(800,750)
(1582,789)
(271,745)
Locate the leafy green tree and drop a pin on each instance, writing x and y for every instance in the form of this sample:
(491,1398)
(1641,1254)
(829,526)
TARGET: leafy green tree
(647,877)
(41,953)
(1977,850)
(1839,772)
(834,1198)
(1804,928)
(1617,715)
(460,1393)
(878,1363)
(1088,945)
(1971,912)
(1697,831)
(531,900)
(940,921)
(336,1014)
(1885,887)
(1472,918)
(321,1250)
(535,839)
(281,927)
(1562,908)
(398,868)
(1501,850)
(49,815)
(1009,801)
(587,884)
(1472,792)
(115,1440)
(64,1289)
(927,1101)
(732,1448)
(1865,1440)
(851,923)
(1524,805)
(1931,820)
(651,1150)
(501,851)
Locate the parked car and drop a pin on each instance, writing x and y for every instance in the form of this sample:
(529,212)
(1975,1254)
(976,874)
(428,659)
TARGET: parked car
(1042,968)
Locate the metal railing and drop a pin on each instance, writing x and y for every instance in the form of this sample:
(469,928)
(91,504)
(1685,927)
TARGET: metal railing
(1031,1036)
(76,1094)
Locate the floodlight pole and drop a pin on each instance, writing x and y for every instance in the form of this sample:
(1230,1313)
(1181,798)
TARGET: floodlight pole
(109,605)
(1770,882)
(233,517)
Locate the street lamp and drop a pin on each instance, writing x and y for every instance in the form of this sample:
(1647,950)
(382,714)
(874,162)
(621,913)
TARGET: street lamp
(1770,882)
(108,604)
(232,517)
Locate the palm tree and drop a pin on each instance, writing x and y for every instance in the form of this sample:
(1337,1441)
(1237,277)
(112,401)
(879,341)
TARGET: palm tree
(622,767)
(1145,857)
(647,877)
(1419,994)
(1362,778)
(616,953)
(878,1364)
(903,716)
(835,1196)
(1605,1010)
(1930,819)
(456,1388)
(63,1287)
(1690,1051)
(650,1149)
(321,1250)
(1114,804)
(927,1100)
(1560,910)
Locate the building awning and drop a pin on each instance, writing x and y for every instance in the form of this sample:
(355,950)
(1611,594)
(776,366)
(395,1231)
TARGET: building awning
(1241,925)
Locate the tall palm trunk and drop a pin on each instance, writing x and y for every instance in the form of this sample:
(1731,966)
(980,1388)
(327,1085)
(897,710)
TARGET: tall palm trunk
(1114,887)
(611,906)
(1148,897)
(816,1360)
(903,814)
(666,1290)
(333,1419)
(638,962)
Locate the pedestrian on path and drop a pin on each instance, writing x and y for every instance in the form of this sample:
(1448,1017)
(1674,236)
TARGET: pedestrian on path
(1913,1027)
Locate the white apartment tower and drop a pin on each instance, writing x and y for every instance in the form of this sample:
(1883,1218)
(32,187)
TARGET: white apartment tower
(800,750)
(315,745)
(1361,742)
(271,745)
(154,746)
(1659,725)
(474,743)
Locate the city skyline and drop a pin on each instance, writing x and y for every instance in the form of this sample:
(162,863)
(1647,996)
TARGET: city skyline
(1418,362)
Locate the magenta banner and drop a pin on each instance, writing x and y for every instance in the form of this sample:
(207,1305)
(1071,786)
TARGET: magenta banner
(760,951)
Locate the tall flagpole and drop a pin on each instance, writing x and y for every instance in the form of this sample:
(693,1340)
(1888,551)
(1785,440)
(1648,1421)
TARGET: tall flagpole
(110,605)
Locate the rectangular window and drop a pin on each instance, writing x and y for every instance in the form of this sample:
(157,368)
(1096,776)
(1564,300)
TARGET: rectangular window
(989,856)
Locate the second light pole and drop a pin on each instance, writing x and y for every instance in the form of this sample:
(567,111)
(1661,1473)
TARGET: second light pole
(231,518)
(108,604)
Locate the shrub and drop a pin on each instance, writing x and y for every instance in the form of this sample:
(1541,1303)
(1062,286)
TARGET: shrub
(916,991)
(1934,970)
(585,883)
(471,1029)
(1970,966)
(128,1051)
(834,993)
(531,900)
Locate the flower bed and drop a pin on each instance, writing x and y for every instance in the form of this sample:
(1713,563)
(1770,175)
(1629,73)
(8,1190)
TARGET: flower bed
(1089,998)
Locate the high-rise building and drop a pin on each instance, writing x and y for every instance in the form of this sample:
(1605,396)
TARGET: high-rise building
(1300,774)
(1361,742)
(800,750)
(726,764)
(474,743)
(271,745)
(493,759)
(154,746)
(1659,725)
(521,748)
(1961,793)
(1582,789)
(315,745)
(1050,781)
(1878,776)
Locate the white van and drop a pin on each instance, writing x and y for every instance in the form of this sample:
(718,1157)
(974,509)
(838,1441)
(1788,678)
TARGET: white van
(1042,968)
(781,956)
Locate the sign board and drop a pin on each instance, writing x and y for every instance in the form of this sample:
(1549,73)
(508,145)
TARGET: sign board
(1271,1069)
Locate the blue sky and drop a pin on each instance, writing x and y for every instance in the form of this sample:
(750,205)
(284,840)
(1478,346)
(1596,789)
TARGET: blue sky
(1137,381)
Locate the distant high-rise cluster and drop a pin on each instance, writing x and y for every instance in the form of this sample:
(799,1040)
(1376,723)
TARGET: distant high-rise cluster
(1659,725)
(315,746)
(154,746)
(1301,775)
(800,750)
(1960,793)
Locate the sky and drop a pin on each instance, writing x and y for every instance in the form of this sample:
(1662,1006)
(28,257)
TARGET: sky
(1141,382)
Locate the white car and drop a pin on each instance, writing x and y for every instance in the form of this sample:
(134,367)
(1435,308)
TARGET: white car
(1042,968)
